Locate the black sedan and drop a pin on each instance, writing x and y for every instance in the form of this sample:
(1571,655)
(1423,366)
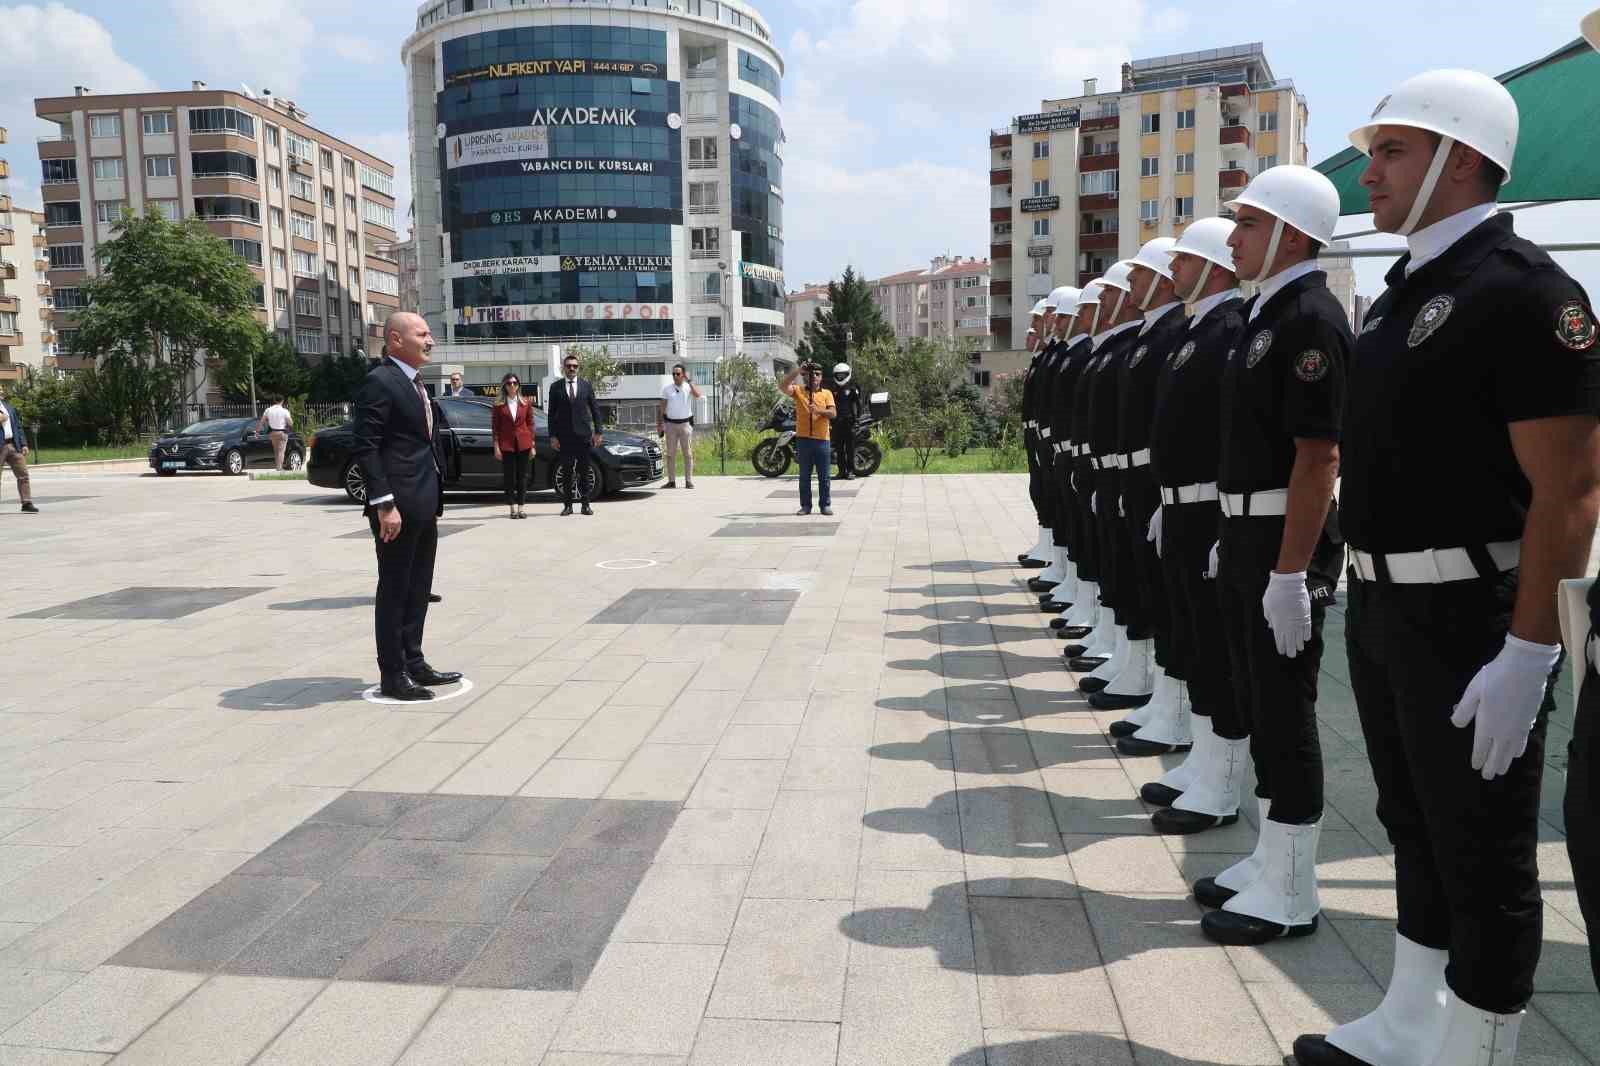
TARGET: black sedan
(623,460)
(230,445)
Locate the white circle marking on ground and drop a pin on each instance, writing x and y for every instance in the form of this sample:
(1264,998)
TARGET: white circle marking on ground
(625,564)
(372,695)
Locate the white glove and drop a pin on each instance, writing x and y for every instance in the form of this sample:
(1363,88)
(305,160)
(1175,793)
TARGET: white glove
(1121,511)
(1287,605)
(1154,536)
(1211,565)
(1504,698)
(1094,503)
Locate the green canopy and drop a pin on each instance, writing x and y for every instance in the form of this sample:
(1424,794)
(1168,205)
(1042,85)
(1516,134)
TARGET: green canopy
(1558,142)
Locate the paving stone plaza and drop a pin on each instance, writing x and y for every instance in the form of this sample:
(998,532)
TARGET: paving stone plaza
(730,788)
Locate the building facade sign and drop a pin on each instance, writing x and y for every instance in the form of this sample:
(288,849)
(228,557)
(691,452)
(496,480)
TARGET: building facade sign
(538,68)
(535,216)
(1041,203)
(550,264)
(497,146)
(1048,121)
(761,272)
(622,312)
(1042,251)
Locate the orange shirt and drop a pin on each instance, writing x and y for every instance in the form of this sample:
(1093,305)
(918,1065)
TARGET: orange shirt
(809,408)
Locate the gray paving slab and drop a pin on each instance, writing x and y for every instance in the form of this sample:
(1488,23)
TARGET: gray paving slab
(325,928)
(140,602)
(417,953)
(709,607)
(212,928)
(445,530)
(314,850)
(796,528)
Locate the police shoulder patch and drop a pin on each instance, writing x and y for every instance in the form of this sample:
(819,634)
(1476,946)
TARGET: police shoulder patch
(1575,327)
(1182,355)
(1258,348)
(1138,356)
(1429,319)
(1311,365)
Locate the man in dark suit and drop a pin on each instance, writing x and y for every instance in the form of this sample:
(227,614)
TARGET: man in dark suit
(575,428)
(398,445)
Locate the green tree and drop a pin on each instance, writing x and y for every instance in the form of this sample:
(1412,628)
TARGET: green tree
(279,370)
(165,295)
(336,378)
(738,379)
(849,322)
(596,366)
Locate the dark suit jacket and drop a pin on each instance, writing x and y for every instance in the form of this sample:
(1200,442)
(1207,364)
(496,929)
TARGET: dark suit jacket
(570,420)
(393,447)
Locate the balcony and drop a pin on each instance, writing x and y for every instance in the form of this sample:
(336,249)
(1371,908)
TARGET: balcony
(1000,251)
(704,209)
(1098,161)
(8,270)
(1105,241)
(1234,134)
(5,169)
(10,303)
(705,253)
(5,202)
(999,288)
(1105,201)
(1233,177)
(1039,285)
(1000,214)
(1100,122)
(57,148)
(1086,276)
(702,71)
(704,164)
(39,241)
(1000,177)
(1000,139)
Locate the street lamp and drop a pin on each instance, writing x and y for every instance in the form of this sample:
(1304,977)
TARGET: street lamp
(716,410)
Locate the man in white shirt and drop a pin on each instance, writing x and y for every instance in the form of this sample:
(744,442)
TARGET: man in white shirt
(278,420)
(14,453)
(676,424)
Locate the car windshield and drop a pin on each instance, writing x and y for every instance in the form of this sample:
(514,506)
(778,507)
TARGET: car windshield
(215,426)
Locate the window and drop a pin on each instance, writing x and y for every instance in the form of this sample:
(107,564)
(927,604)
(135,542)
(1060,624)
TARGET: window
(109,210)
(1097,182)
(1265,162)
(701,105)
(1149,166)
(355,279)
(272,136)
(222,164)
(227,207)
(712,286)
(305,264)
(1041,227)
(69,299)
(301,186)
(57,171)
(274,179)
(349,204)
(280,299)
(327,160)
(299,147)
(714,327)
(275,215)
(63,214)
(352,242)
(350,171)
(705,243)
(1041,149)
(303,226)
(160,166)
(703,151)
(259,296)
(972,282)
(1185,163)
(308,341)
(355,312)
(387,284)
(1149,210)
(1185,207)
(157,122)
(1041,188)
(1267,121)
(377,214)
(702,197)
(306,302)
(334,344)
(106,169)
(222,120)
(980,378)
(1150,123)
(377,180)
(279,263)
(333,275)
(168,209)
(1041,264)
(249,251)
(330,235)
(8,322)
(1186,119)
(105,125)
(327,197)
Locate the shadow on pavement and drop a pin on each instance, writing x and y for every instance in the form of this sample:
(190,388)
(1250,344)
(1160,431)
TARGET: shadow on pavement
(327,603)
(292,693)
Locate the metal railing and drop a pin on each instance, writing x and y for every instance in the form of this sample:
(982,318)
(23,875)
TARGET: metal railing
(704,164)
(701,253)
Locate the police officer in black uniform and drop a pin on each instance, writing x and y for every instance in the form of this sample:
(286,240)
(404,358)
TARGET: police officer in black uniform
(847,398)
(1033,558)
(1088,624)
(1057,412)
(1205,790)
(1282,394)
(1049,368)
(1471,488)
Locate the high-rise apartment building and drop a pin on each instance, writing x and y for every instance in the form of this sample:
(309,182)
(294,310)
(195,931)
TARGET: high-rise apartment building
(1087,179)
(948,299)
(26,342)
(312,215)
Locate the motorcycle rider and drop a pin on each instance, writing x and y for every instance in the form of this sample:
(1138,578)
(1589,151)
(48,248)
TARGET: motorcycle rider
(847,402)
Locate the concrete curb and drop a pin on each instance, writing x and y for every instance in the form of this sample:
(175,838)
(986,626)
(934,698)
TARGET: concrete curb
(92,466)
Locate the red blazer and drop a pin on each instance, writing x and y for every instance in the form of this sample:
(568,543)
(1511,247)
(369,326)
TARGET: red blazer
(513,435)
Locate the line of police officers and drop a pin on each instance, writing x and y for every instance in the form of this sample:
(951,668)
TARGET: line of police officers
(1184,446)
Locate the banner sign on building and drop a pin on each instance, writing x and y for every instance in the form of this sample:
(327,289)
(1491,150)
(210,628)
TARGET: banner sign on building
(1041,251)
(1041,203)
(1048,121)
(761,272)
(590,166)
(495,146)
(535,216)
(480,316)
(550,264)
(538,68)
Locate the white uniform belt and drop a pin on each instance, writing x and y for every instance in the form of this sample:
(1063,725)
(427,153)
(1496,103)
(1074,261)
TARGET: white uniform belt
(1435,565)
(1197,493)
(1057,447)
(1273,503)
(1044,431)
(1100,463)
(1028,424)
(1136,459)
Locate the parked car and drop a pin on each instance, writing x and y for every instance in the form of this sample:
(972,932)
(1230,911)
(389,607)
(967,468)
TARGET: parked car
(623,460)
(230,445)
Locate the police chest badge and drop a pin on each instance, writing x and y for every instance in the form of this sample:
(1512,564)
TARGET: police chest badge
(1138,356)
(1182,355)
(1258,349)
(1575,327)
(1311,366)
(1429,319)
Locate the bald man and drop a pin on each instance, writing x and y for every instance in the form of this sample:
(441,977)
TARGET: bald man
(398,444)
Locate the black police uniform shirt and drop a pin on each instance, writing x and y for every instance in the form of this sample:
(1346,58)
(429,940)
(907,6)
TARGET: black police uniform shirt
(1285,379)
(1186,433)
(1104,375)
(1079,350)
(1051,371)
(1041,382)
(1139,372)
(847,405)
(1030,383)
(1489,333)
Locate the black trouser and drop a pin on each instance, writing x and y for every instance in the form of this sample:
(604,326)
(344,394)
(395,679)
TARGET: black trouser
(1049,505)
(514,475)
(1063,532)
(1035,473)
(1116,555)
(1466,877)
(1199,650)
(1147,587)
(844,446)
(405,577)
(1277,695)
(577,466)
(1085,533)
(1583,810)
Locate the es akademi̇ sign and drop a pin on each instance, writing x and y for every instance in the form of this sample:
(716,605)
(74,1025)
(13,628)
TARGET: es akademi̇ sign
(1048,121)
(479,316)
(538,68)
(550,264)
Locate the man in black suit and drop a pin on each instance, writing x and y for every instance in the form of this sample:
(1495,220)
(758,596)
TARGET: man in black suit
(399,447)
(575,427)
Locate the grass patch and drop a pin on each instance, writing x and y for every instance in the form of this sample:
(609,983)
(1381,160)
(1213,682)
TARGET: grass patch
(896,461)
(87,453)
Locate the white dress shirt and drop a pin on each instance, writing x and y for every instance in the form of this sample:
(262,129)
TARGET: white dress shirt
(1203,307)
(1428,244)
(1152,316)
(679,404)
(512,405)
(1272,285)
(277,417)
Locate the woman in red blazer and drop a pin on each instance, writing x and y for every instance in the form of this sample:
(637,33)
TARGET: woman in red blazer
(512,419)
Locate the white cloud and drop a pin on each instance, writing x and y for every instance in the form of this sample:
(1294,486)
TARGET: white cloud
(356,49)
(262,42)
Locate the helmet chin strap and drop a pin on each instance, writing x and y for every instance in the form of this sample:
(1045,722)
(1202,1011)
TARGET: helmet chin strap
(1116,313)
(1199,286)
(1094,323)
(1150,293)
(1272,251)
(1429,182)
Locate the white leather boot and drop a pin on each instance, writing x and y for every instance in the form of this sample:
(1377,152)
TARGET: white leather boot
(1137,676)
(1281,902)
(1102,641)
(1086,608)
(1408,1027)
(1474,1037)
(1041,545)
(1067,591)
(1119,657)
(1165,719)
(1216,791)
(1242,874)
(1053,572)
(1182,777)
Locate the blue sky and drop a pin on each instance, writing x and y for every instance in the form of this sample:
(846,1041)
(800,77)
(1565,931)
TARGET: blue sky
(887,102)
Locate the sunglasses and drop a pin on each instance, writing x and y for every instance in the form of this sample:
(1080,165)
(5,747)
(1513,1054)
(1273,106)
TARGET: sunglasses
(512,382)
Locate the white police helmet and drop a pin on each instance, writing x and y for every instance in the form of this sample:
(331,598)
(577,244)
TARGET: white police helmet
(1156,255)
(841,373)
(1038,309)
(1206,238)
(1296,196)
(1090,297)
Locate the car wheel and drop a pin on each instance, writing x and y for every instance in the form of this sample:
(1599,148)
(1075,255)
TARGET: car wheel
(296,459)
(355,482)
(232,461)
(559,483)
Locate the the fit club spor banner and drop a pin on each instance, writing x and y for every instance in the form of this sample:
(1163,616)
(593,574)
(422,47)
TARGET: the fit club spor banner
(540,216)
(550,264)
(483,316)
(543,68)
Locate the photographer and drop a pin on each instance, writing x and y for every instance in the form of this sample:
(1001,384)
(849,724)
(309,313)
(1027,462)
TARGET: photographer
(814,412)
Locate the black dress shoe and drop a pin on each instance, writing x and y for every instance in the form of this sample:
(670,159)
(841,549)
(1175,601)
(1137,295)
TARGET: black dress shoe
(566,510)
(1172,822)
(1248,931)
(1082,664)
(587,509)
(1118,701)
(427,675)
(29,508)
(1028,562)
(1143,749)
(401,686)
(1158,795)
(1058,624)
(1053,607)
(1076,632)
(1314,1050)
(434,597)
(1037,585)
(1123,728)
(1091,684)
(1208,893)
